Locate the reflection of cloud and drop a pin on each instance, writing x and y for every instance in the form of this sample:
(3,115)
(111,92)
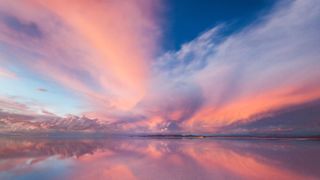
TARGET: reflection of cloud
(171,159)
(11,148)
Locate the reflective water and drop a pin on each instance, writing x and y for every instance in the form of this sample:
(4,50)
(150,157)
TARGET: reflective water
(133,158)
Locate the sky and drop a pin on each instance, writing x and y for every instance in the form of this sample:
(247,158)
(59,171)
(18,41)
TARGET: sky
(160,66)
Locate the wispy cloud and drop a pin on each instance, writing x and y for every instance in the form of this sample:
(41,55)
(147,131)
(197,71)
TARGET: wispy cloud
(102,53)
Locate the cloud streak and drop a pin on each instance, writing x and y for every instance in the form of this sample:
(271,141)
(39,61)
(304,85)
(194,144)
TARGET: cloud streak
(103,52)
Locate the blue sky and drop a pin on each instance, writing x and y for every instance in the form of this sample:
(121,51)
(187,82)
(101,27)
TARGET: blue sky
(186,20)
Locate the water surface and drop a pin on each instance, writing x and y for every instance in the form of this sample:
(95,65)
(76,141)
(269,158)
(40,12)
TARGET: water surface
(145,158)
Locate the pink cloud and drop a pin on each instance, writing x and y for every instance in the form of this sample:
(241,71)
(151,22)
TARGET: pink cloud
(102,53)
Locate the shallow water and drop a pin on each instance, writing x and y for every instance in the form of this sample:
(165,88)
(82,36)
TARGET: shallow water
(145,158)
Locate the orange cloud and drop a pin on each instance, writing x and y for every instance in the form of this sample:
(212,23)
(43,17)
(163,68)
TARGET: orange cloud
(121,35)
(247,107)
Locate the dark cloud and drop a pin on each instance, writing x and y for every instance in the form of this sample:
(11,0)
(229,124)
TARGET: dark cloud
(181,99)
(42,90)
(48,113)
(296,120)
(27,28)
(173,127)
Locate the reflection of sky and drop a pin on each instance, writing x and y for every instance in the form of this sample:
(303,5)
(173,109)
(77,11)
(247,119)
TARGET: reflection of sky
(158,159)
(51,167)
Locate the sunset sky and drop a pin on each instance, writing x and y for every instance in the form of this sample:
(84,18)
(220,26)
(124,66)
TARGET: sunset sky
(169,66)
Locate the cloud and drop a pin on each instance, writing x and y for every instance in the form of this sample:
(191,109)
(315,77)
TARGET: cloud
(172,103)
(8,104)
(102,53)
(268,66)
(19,117)
(297,120)
(42,89)
(27,28)
(14,122)
(106,54)
(48,113)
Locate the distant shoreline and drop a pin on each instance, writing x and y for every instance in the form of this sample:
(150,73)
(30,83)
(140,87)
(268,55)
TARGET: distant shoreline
(159,136)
